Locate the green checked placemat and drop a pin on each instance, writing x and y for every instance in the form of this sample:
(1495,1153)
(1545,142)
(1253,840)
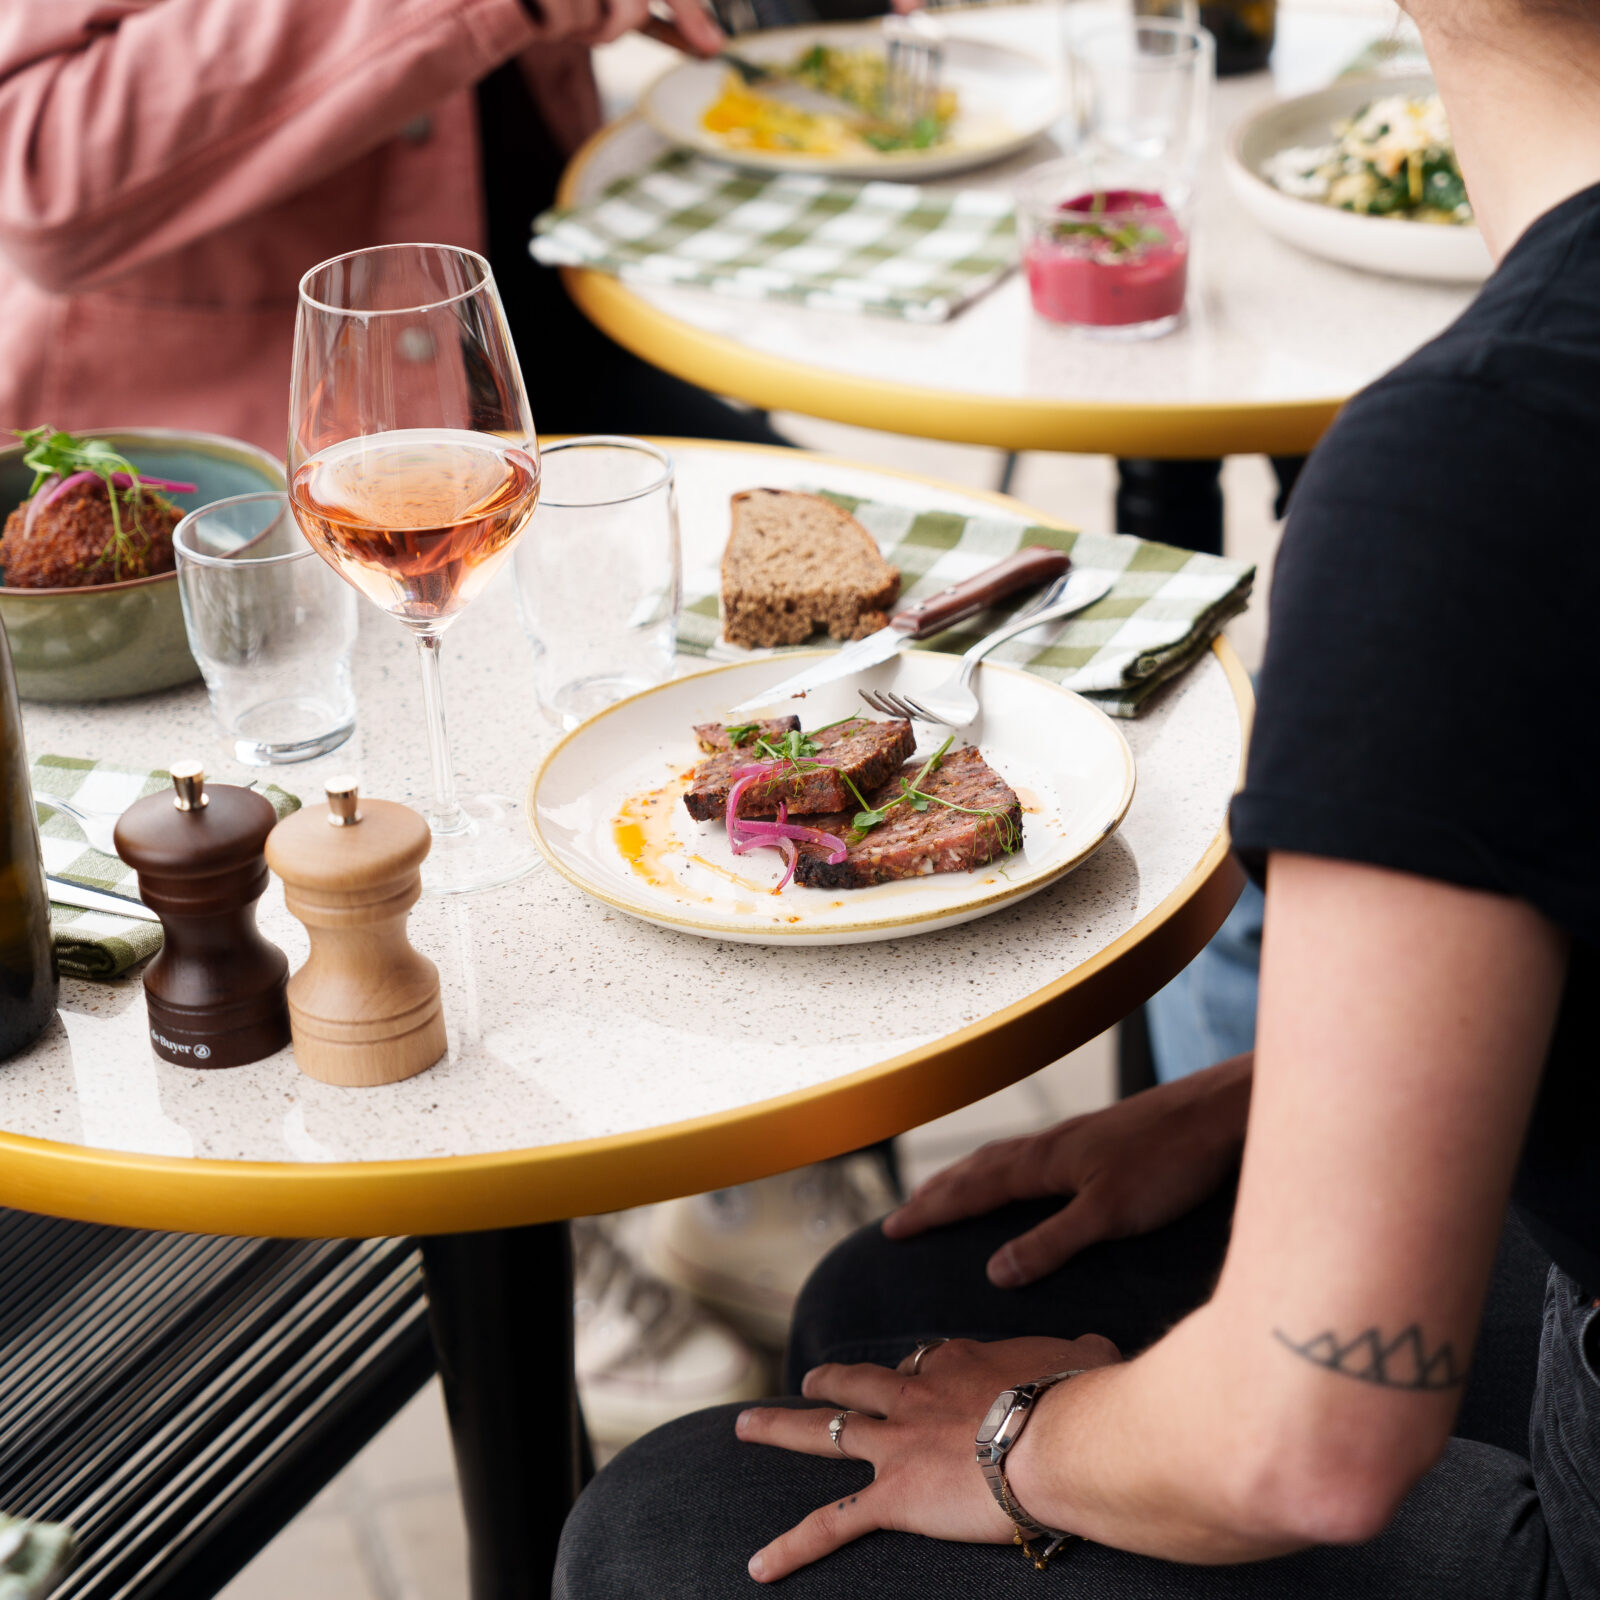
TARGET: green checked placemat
(892,249)
(32,1555)
(1162,613)
(100,944)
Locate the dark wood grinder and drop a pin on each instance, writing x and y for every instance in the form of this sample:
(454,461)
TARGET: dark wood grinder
(216,990)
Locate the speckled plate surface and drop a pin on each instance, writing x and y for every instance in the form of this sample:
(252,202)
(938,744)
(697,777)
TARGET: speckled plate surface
(607,812)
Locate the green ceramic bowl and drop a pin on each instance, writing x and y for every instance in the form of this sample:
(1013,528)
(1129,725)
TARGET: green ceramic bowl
(114,639)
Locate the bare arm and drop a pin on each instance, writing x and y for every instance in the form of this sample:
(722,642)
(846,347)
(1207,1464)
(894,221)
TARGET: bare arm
(1403,1030)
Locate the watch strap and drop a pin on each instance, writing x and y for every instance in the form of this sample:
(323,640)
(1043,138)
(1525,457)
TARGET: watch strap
(992,1462)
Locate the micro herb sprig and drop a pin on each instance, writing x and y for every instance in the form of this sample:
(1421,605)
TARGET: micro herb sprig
(913,794)
(1120,240)
(53,454)
(795,747)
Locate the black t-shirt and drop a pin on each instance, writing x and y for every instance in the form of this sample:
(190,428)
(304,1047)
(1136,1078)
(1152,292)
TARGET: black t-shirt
(1428,701)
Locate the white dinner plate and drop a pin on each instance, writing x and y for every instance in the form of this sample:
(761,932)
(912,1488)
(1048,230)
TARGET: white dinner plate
(1442,253)
(1006,100)
(606,806)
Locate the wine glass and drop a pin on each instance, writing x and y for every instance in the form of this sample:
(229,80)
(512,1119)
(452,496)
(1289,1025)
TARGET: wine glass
(413,468)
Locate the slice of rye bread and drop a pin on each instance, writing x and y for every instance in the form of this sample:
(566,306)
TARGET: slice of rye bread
(795,563)
(912,844)
(865,753)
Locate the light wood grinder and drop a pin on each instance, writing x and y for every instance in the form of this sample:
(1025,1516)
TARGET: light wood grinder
(365,1007)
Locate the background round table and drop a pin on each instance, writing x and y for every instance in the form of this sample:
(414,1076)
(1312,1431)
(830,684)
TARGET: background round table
(1274,343)
(595,1061)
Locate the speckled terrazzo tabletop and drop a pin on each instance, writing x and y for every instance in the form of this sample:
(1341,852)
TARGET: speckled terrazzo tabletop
(1268,326)
(567,1020)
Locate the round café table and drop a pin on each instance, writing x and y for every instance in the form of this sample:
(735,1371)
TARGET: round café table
(1274,343)
(595,1062)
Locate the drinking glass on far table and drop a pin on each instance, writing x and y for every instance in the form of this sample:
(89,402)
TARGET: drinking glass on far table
(1142,88)
(270,626)
(599,575)
(414,468)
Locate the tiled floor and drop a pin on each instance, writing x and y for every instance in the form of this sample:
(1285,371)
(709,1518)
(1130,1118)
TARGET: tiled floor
(389,1527)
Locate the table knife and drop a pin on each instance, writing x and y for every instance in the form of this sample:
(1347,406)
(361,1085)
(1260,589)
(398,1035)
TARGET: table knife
(1033,564)
(65,893)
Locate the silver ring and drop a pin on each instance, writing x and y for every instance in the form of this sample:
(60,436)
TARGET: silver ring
(835,1428)
(922,1350)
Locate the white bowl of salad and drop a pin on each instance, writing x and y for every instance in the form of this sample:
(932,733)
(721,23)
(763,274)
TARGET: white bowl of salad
(1362,172)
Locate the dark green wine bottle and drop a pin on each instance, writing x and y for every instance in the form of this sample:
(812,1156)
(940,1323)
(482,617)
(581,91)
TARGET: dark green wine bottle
(1244,31)
(27,956)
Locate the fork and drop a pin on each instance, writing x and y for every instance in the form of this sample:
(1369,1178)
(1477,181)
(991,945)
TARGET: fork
(97,826)
(952,702)
(914,60)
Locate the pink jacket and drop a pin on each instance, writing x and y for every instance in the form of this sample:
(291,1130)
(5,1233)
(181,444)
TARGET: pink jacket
(170,168)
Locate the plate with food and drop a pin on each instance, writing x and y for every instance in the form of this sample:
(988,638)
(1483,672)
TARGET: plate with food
(1364,173)
(820,822)
(88,585)
(824,111)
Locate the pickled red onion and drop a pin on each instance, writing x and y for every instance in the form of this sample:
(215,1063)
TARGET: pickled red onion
(745,835)
(122,480)
(791,854)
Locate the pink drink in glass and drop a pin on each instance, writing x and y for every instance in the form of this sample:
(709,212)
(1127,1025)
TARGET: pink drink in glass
(1114,258)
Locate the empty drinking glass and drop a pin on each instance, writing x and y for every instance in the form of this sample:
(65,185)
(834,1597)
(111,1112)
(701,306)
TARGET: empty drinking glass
(272,627)
(599,574)
(1142,88)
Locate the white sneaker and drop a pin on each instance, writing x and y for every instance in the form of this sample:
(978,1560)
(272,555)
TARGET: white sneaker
(644,1351)
(745,1252)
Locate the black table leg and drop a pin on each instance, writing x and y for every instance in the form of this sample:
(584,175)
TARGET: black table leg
(500,1306)
(1180,503)
(1175,502)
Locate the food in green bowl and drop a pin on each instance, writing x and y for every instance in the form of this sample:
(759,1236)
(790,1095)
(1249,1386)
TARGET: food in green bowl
(84,632)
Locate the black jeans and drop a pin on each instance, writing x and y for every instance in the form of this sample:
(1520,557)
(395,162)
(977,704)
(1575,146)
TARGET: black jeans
(679,1513)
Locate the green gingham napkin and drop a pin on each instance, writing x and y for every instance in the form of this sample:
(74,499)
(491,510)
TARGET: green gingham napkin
(1162,613)
(32,1555)
(100,944)
(889,248)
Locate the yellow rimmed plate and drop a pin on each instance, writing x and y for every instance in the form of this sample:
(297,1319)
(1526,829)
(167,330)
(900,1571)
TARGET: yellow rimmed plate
(606,805)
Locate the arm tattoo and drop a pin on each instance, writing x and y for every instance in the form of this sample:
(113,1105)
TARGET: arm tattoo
(1399,1363)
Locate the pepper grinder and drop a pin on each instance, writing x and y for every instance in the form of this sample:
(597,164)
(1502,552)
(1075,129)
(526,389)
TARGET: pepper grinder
(215,991)
(365,1007)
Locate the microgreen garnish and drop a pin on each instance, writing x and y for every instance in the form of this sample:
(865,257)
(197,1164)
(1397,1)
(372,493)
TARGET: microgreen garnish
(1121,239)
(742,733)
(913,794)
(62,457)
(865,821)
(794,747)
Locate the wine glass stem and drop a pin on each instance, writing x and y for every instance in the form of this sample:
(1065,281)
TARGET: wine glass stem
(445,815)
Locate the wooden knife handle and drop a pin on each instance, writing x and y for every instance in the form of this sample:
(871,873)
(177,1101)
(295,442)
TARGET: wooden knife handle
(1030,566)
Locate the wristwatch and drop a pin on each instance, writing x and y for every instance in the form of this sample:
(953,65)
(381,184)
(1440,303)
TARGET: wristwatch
(1000,1429)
